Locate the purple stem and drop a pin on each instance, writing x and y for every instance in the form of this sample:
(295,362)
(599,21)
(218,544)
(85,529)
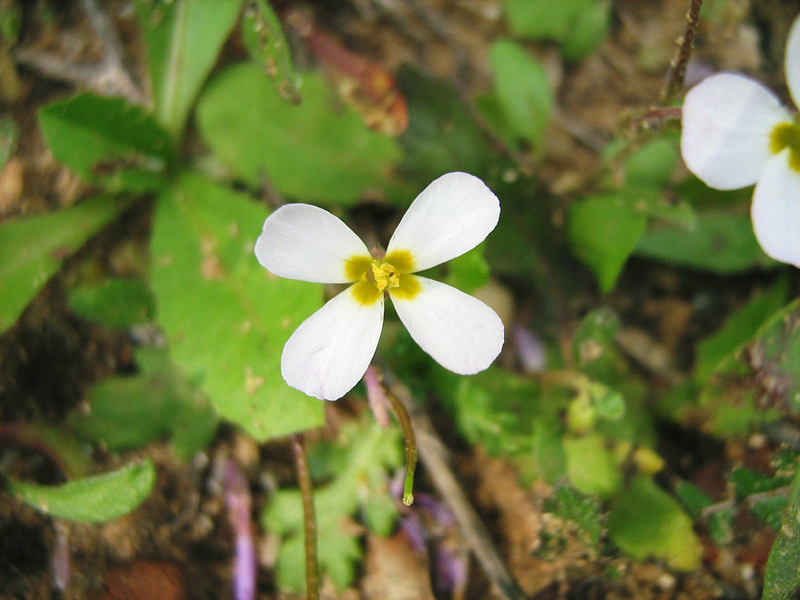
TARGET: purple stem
(237,499)
(378,402)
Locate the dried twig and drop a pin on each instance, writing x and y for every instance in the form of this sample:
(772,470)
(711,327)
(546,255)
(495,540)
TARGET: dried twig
(309,517)
(678,71)
(110,76)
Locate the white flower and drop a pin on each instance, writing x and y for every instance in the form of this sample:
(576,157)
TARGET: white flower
(331,350)
(737,133)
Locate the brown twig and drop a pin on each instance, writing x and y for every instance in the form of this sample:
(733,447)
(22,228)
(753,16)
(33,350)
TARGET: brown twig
(110,76)
(434,456)
(678,70)
(309,518)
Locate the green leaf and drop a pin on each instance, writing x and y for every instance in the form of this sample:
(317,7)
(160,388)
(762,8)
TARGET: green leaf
(115,303)
(107,141)
(522,90)
(33,249)
(739,328)
(183,39)
(582,510)
(131,411)
(588,31)
(442,134)
(644,521)
(94,499)
(603,232)
(721,242)
(652,165)
(579,24)
(316,151)
(595,334)
(371,454)
(263,36)
(541,19)
(226,317)
(591,465)
(782,576)
(469,271)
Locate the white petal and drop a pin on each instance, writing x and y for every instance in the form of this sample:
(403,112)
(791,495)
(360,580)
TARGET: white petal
(776,210)
(308,243)
(727,123)
(792,62)
(460,332)
(452,215)
(332,349)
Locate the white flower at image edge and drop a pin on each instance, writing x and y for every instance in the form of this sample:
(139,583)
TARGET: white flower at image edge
(330,351)
(736,133)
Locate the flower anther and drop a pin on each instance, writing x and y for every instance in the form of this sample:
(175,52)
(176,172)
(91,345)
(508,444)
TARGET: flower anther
(736,133)
(330,351)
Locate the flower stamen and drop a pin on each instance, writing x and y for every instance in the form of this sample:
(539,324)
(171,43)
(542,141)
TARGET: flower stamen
(787,135)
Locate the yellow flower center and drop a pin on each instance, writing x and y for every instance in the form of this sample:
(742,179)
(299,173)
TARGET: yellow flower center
(787,135)
(373,276)
(383,275)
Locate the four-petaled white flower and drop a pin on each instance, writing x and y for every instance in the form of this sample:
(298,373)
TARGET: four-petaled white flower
(736,133)
(330,351)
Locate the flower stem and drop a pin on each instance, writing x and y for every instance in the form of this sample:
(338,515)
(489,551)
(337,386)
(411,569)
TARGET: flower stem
(404,420)
(309,518)
(678,71)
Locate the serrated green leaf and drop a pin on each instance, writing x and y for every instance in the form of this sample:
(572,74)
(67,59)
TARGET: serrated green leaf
(94,499)
(226,317)
(603,232)
(645,521)
(721,242)
(263,36)
(580,509)
(782,575)
(371,453)
(183,39)
(33,249)
(522,90)
(107,141)
(115,303)
(315,151)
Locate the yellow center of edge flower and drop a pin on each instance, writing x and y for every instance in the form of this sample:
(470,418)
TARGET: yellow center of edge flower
(787,135)
(373,276)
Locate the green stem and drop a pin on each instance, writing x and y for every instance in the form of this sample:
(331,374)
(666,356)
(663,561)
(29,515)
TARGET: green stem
(309,518)
(404,420)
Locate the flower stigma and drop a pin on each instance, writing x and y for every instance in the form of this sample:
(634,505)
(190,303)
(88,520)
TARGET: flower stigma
(787,135)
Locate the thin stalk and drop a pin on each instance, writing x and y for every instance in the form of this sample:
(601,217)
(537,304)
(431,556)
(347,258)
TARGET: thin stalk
(678,71)
(404,420)
(309,518)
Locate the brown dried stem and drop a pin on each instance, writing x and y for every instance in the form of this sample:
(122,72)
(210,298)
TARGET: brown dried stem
(309,518)
(678,70)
